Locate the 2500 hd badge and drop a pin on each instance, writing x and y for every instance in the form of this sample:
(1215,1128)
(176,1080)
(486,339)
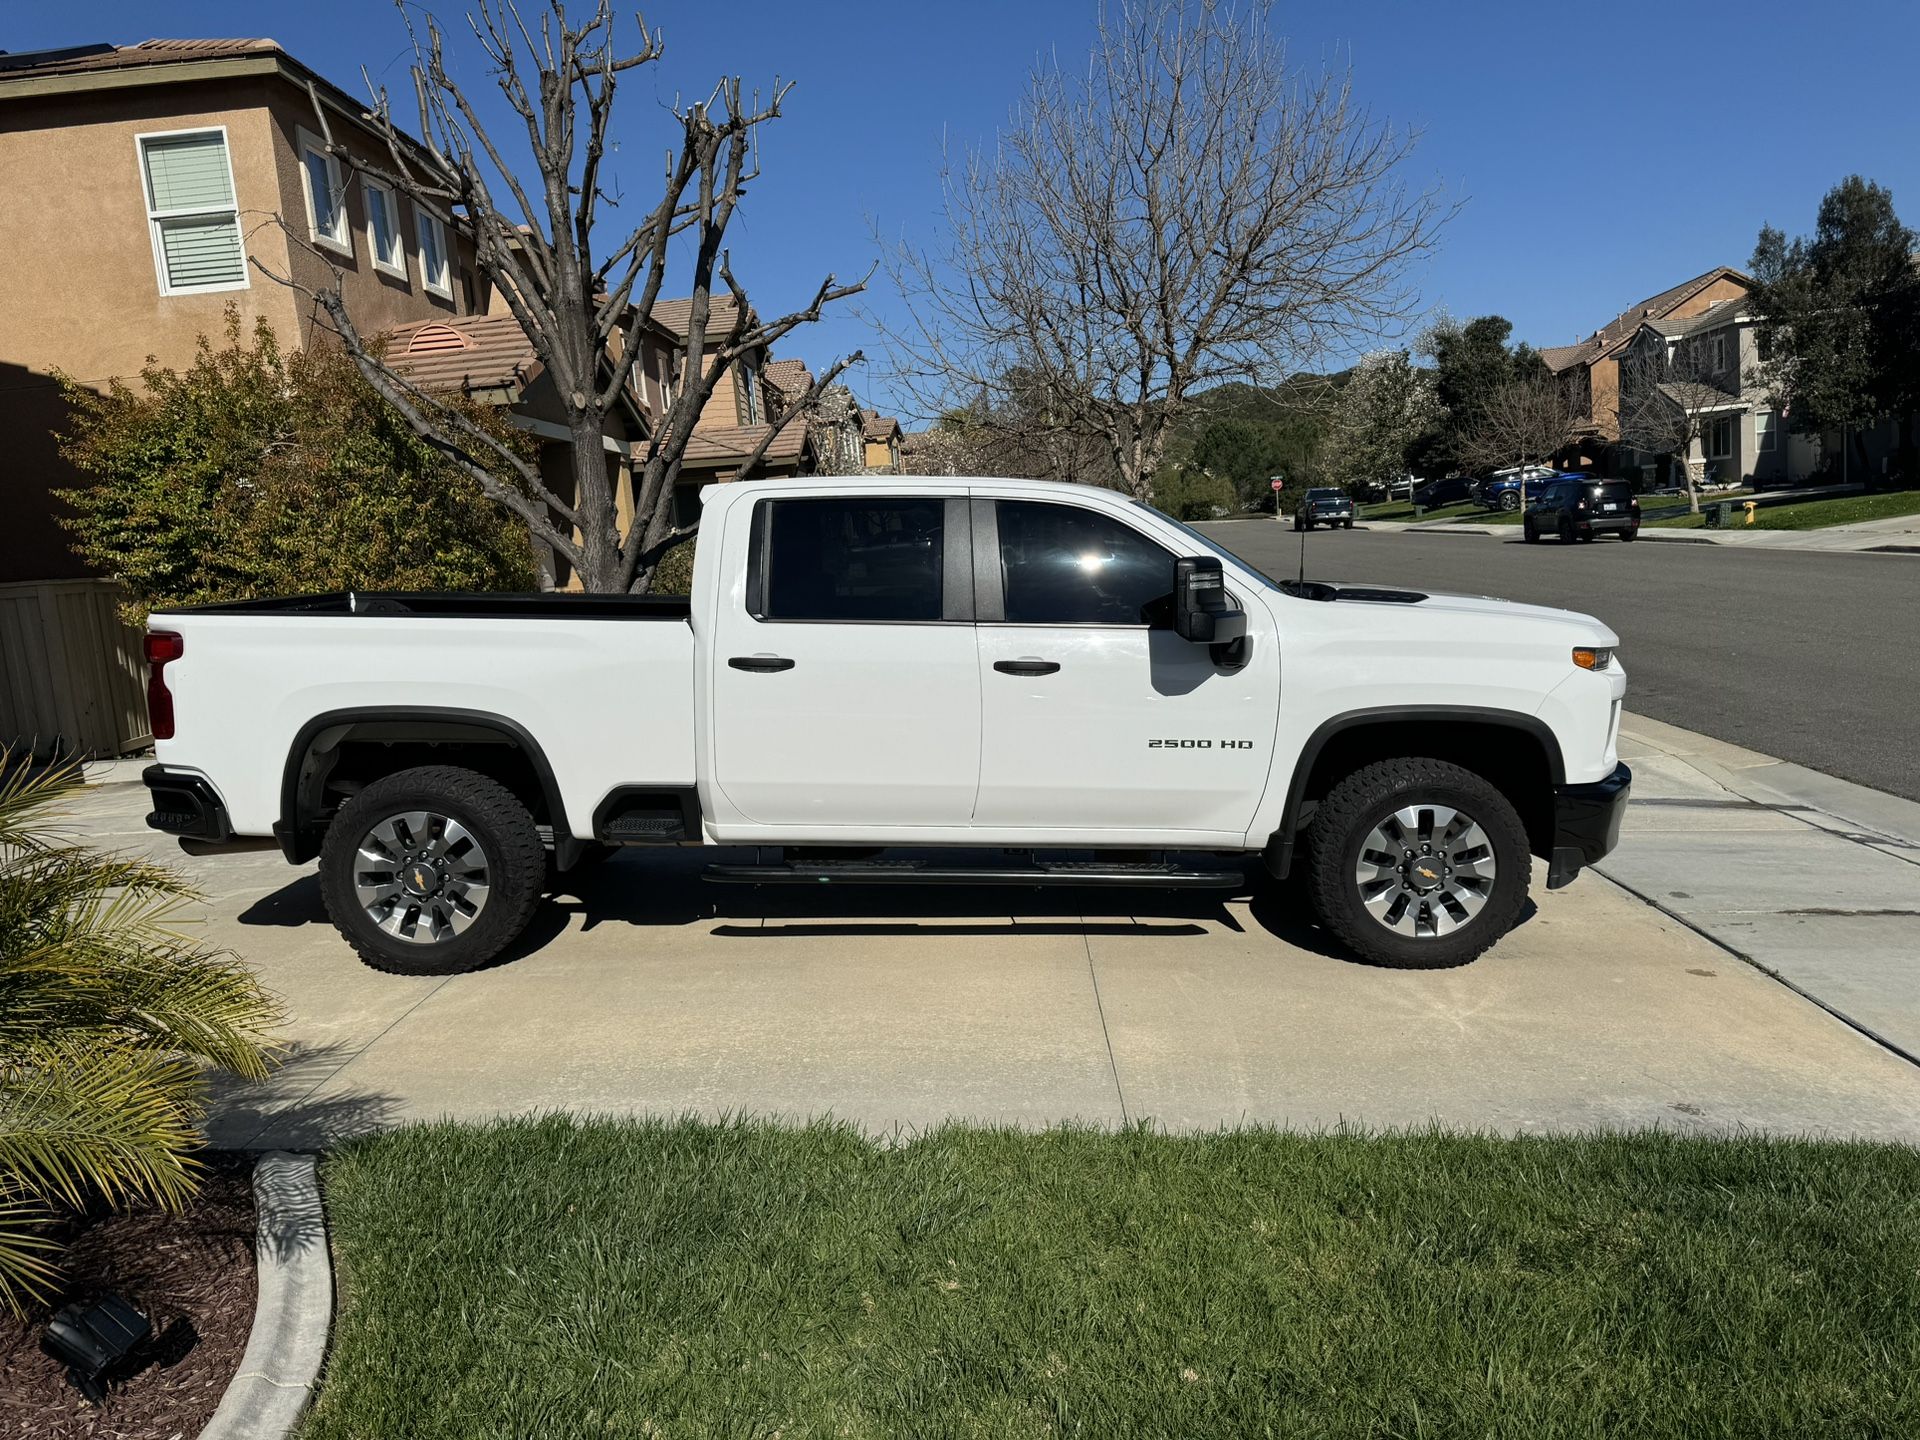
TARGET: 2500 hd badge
(1199,744)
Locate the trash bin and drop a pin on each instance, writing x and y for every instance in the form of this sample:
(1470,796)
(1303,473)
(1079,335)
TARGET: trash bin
(1718,514)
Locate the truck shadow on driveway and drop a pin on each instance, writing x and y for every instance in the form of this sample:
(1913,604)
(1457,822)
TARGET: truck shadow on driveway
(665,889)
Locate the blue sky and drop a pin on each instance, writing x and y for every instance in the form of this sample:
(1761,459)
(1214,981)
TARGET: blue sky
(1600,152)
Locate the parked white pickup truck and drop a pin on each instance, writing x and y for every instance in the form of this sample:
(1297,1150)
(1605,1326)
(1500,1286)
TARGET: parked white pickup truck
(1030,683)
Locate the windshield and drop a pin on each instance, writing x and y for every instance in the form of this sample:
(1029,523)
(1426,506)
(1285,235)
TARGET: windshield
(1239,566)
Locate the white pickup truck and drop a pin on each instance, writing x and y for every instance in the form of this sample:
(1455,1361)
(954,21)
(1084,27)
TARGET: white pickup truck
(876,680)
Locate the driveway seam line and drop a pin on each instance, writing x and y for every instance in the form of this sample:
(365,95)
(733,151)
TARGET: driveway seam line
(1857,1026)
(332,1074)
(1100,1009)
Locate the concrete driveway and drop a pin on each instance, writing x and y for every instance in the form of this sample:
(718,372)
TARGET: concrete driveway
(652,991)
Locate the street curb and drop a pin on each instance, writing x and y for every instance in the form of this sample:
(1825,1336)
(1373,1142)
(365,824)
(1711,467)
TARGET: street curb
(295,1306)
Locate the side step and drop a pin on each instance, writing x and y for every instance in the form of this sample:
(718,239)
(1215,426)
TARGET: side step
(914,872)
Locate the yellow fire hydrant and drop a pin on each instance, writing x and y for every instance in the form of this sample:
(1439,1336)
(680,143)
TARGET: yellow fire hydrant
(1752,505)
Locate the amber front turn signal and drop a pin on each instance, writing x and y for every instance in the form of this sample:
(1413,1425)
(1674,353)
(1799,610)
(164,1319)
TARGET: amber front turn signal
(1592,659)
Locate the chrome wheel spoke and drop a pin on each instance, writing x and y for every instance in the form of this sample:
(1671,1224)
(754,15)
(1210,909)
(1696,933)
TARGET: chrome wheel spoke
(421,876)
(1425,870)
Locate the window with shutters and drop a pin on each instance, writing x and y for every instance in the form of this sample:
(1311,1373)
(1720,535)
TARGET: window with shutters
(747,393)
(195,223)
(326,194)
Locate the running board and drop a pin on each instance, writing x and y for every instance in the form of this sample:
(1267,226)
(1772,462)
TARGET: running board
(1136,877)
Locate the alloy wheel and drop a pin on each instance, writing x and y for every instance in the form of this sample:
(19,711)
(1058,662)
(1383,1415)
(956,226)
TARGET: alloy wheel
(1425,870)
(421,876)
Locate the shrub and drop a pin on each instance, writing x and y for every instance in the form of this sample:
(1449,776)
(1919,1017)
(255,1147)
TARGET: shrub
(257,473)
(1193,494)
(108,1020)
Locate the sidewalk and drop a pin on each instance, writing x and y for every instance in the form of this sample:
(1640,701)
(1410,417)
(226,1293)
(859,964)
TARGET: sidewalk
(1812,879)
(1898,535)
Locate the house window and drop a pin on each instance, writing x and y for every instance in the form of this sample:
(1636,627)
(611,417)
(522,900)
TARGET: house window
(383,229)
(1716,440)
(326,195)
(1766,430)
(1717,353)
(436,272)
(188,180)
(748,382)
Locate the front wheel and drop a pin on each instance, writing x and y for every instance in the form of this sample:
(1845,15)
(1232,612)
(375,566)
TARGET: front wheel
(1528,533)
(432,871)
(1418,864)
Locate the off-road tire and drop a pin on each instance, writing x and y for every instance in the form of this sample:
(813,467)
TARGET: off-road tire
(1341,824)
(516,861)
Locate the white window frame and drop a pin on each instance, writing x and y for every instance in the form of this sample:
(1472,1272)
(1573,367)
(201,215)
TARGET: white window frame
(155,217)
(423,216)
(1766,432)
(311,144)
(369,187)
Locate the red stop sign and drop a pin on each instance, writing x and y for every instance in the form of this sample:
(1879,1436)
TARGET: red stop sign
(1278,483)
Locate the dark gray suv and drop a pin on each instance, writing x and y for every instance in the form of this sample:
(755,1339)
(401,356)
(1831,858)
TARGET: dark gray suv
(1580,508)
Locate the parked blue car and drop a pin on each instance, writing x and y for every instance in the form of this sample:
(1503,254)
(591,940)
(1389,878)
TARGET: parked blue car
(1501,490)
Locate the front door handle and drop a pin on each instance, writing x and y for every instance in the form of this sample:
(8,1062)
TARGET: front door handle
(760,662)
(1026,667)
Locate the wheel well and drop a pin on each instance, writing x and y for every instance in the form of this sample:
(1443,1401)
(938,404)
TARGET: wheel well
(338,756)
(1512,756)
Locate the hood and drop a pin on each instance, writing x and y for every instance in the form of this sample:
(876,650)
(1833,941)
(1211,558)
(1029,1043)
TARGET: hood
(1480,608)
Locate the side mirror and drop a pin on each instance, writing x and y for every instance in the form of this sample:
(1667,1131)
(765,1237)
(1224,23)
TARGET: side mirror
(1201,611)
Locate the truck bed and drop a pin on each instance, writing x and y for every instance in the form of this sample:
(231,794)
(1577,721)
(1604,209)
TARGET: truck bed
(551,605)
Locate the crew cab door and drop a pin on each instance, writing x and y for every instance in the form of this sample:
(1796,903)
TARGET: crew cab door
(846,688)
(1094,714)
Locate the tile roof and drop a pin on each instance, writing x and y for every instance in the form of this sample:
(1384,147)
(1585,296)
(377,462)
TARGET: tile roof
(790,377)
(728,444)
(472,352)
(1610,337)
(875,426)
(1697,395)
(77,58)
(677,315)
(1712,318)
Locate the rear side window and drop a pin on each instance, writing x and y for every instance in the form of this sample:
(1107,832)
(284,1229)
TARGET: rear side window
(1613,490)
(849,558)
(1063,565)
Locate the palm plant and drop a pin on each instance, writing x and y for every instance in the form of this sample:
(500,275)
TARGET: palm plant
(109,1021)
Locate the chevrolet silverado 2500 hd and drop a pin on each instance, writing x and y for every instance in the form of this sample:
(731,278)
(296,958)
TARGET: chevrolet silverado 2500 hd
(1034,683)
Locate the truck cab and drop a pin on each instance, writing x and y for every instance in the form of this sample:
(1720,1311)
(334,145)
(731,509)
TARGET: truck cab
(1032,683)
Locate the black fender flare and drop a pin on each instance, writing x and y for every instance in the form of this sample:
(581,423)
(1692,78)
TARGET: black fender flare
(1278,854)
(299,840)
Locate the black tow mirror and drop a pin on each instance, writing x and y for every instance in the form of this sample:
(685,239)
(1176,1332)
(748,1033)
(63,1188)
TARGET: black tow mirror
(1202,611)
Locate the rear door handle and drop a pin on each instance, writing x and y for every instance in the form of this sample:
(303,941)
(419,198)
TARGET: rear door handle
(760,662)
(1026,667)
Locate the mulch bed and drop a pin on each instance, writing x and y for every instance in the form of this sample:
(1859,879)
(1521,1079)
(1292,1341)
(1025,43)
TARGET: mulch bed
(191,1274)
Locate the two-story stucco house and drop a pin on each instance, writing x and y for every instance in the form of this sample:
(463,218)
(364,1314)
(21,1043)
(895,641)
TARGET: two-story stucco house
(145,188)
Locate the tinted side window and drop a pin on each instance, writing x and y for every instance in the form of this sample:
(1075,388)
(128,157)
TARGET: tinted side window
(855,559)
(1063,565)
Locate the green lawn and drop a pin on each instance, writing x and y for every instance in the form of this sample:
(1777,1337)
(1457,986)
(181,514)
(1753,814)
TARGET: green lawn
(557,1279)
(1403,510)
(1813,514)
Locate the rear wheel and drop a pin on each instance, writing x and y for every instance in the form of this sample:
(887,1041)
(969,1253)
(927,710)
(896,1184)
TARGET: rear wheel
(432,871)
(1509,501)
(1566,531)
(1632,532)
(1417,864)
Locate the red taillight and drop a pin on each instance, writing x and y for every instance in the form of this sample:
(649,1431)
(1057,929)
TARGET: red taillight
(162,646)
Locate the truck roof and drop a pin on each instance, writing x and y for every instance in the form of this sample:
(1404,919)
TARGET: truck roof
(908,482)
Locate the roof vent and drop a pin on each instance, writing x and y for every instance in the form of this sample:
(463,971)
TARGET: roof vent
(437,340)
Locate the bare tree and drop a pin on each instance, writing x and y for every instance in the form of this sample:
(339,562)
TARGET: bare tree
(1188,209)
(582,297)
(1522,422)
(1671,391)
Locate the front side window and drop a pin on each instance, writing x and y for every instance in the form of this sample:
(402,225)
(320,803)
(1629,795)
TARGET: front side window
(1064,565)
(326,195)
(191,213)
(383,230)
(436,273)
(855,558)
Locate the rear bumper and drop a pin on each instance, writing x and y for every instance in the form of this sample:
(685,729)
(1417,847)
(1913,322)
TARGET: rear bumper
(1586,824)
(185,804)
(1610,524)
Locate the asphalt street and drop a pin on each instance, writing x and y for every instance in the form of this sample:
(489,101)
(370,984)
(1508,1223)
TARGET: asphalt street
(1802,656)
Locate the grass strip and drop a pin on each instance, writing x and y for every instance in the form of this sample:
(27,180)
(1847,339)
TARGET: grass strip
(560,1278)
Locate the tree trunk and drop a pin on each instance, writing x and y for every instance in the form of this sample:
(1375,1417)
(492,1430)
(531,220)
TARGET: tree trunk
(599,537)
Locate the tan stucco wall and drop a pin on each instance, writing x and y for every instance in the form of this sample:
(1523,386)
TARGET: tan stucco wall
(79,292)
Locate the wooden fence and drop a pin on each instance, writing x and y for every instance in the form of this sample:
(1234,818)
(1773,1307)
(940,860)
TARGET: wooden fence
(72,678)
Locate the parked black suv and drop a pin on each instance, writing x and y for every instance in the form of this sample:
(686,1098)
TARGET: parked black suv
(1445,492)
(1579,509)
(1324,507)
